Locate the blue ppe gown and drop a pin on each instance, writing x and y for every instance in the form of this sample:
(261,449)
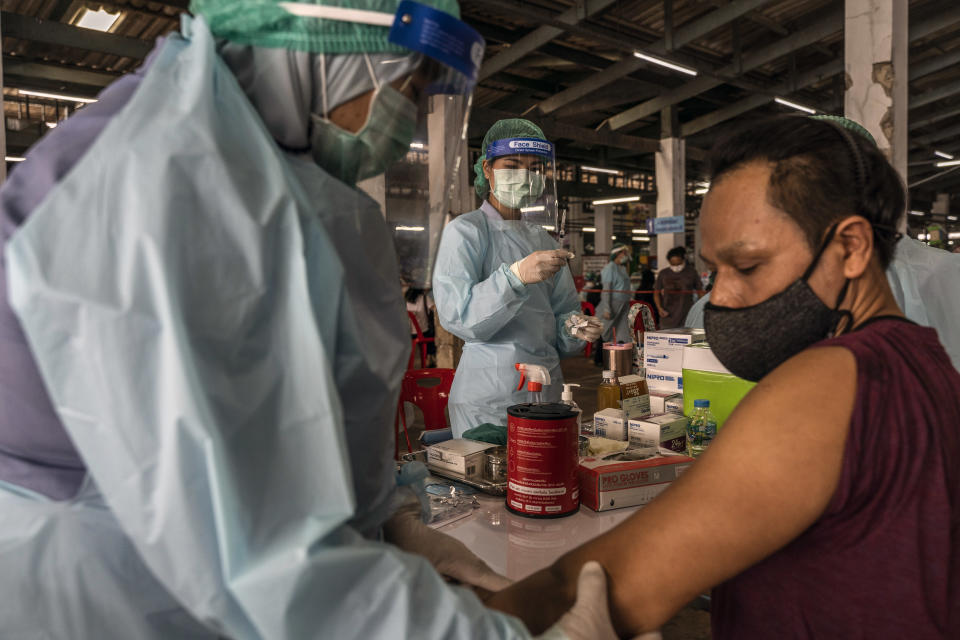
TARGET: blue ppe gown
(501,320)
(220,329)
(615,299)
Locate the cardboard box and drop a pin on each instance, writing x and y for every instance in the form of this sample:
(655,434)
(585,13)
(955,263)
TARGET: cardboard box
(610,423)
(459,456)
(668,431)
(704,377)
(634,397)
(665,381)
(674,404)
(671,339)
(615,482)
(660,400)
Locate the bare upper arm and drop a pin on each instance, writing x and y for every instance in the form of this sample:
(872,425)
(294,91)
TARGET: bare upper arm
(766,478)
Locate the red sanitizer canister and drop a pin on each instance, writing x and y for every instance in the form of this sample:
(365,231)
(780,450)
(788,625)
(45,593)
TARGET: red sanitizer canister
(542,453)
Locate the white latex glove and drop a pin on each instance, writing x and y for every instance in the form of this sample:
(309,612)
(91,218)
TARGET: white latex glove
(450,557)
(540,265)
(584,327)
(589,619)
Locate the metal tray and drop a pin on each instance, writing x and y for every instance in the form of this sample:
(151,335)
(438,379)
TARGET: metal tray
(492,488)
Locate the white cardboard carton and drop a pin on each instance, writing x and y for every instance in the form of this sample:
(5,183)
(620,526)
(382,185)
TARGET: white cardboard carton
(671,339)
(634,398)
(668,431)
(460,456)
(660,401)
(610,423)
(665,381)
(615,483)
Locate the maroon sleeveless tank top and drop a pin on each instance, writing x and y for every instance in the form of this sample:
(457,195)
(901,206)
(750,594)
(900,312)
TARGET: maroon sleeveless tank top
(883,560)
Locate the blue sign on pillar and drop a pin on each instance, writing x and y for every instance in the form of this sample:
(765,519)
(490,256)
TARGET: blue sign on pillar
(672,224)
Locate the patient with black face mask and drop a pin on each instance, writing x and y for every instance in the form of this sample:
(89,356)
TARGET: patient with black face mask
(828,504)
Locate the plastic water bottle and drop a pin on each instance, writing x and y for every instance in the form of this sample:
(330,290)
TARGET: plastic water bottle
(701,429)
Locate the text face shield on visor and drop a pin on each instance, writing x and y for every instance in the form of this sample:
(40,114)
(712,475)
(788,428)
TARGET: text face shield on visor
(419,188)
(525,179)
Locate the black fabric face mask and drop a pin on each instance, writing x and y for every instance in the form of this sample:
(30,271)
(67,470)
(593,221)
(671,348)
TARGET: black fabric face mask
(753,341)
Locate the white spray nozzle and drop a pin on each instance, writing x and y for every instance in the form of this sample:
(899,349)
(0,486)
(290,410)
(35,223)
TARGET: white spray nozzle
(535,375)
(568,391)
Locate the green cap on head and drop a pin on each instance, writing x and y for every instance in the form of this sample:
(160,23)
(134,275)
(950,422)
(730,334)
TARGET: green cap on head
(264,23)
(847,124)
(502,130)
(617,249)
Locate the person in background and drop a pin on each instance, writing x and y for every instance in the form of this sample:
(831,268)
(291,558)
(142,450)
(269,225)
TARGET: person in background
(502,284)
(615,298)
(203,344)
(842,520)
(673,291)
(420,304)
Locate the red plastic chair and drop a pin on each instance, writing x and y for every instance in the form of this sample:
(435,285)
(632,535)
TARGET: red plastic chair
(419,340)
(590,310)
(431,399)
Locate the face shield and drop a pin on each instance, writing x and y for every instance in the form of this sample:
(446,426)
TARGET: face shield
(418,189)
(523,178)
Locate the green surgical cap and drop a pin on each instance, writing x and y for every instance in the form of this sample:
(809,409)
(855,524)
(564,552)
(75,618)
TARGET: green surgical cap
(502,130)
(264,23)
(848,124)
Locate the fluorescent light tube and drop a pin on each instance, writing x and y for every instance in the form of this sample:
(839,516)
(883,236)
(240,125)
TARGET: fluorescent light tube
(917,213)
(14,159)
(954,235)
(701,192)
(533,209)
(941,154)
(548,227)
(100,20)
(590,229)
(794,105)
(641,231)
(617,200)
(55,96)
(416,145)
(307,10)
(600,170)
(51,125)
(948,163)
(665,63)
(952,218)
(405,228)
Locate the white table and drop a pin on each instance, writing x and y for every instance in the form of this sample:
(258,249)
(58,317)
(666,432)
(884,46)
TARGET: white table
(516,546)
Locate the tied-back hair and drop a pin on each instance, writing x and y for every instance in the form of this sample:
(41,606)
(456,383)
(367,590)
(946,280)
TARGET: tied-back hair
(821,173)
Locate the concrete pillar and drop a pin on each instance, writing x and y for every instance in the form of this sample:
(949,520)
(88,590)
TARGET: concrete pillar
(671,192)
(603,221)
(941,206)
(876,42)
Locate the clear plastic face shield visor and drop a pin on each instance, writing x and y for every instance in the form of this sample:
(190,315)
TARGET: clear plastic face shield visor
(419,190)
(522,173)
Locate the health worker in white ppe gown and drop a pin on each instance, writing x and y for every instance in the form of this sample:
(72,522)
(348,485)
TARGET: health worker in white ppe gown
(203,341)
(501,282)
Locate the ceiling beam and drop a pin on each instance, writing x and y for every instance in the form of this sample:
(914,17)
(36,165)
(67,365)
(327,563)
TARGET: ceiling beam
(65,35)
(682,36)
(56,73)
(936,117)
(949,132)
(747,104)
(541,36)
(499,34)
(825,26)
(933,64)
(941,17)
(941,92)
